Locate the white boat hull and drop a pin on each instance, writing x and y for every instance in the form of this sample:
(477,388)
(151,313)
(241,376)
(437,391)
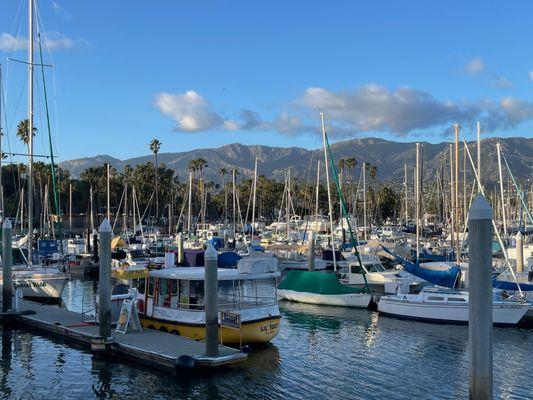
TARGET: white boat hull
(359,300)
(502,313)
(39,286)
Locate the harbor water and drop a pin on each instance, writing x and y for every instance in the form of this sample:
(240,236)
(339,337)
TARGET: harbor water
(320,353)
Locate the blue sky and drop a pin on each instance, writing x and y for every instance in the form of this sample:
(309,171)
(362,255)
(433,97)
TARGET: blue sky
(207,73)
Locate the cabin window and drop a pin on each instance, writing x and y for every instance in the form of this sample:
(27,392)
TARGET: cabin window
(151,287)
(435,298)
(356,269)
(456,299)
(196,295)
(173,287)
(141,285)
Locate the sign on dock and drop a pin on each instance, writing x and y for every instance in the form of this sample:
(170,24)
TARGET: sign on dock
(128,317)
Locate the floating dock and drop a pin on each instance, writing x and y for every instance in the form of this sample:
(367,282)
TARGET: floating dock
(165,351)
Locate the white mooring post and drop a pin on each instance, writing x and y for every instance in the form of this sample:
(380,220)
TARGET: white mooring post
(480,298)
(7,281)
(311,252)
(211,301)
(105,280)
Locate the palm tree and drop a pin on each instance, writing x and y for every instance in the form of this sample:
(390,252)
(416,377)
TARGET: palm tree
(22,131)
(223,172)
(372,170)
(155,145)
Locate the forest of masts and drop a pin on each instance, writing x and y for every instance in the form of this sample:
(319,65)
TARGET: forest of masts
(157,195)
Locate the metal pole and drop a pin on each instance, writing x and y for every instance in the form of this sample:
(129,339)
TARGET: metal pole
(108,192)
(457,224)
(180,248)
(311,251)
(452,200)
(364,200)
(7,280)
(253,200)
(211,300)
(499,151)
(480,298)
(417,200)
(104,327)
(30,131)
(70,206)
(330,206)
(479,154)
(519,252)
(189,212)
(406,194)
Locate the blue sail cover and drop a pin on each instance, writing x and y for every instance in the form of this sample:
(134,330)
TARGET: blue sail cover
(506,285)
(448,278)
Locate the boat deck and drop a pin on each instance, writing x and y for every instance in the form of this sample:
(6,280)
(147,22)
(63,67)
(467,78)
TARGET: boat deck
(164,351)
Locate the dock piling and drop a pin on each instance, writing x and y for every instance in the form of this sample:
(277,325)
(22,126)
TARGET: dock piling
(519,252)
(7,279)
(211,300)
(311,251)
(105,280)
(480,299)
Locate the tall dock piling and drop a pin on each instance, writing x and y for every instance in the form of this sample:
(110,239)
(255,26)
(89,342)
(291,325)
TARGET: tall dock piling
(105,280)
(7,278)
(311,251)
(480,299)
(211,301)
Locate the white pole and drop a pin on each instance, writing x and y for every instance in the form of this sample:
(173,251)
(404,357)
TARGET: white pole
(253,200)
(7,283)
(91,204)
(189,212)
(457,249)
(479,153)
(330,206)
(211,300)
(30,131)
(364,199)
(417,200)
(406,194)
(317,193)
(452,199)
(108,192)
(499,151)
(70,205)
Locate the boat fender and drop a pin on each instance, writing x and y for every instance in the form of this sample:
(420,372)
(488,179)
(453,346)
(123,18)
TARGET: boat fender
(246,349)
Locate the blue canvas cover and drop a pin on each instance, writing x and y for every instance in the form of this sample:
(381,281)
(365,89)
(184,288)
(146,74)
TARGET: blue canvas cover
(506,285)
(228,259)
(47,247)
(218,243)
(448,278)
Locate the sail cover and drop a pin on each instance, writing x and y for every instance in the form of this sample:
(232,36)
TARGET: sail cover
(315,282)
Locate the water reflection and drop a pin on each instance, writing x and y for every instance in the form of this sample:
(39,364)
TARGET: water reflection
(321,352)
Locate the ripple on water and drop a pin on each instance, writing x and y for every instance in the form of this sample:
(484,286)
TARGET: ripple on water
(320,353)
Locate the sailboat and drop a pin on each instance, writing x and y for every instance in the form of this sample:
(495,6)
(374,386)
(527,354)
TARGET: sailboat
(36,282)
(324,288)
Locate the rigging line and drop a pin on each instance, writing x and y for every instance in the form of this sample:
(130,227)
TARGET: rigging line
(18,17)
(520,194)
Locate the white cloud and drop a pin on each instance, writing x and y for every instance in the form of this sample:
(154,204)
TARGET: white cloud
(530,75)
(51,40)
(475,66)
(369,108)
(191,112)
(60,10)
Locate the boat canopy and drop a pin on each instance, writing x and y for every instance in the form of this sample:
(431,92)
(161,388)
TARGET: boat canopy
(315,282)
(198,274)
(508,285)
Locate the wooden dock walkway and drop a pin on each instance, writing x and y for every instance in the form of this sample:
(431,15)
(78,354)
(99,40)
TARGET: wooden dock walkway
(164,351)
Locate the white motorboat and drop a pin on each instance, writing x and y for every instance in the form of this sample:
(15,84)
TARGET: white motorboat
(435,304)
(39,284)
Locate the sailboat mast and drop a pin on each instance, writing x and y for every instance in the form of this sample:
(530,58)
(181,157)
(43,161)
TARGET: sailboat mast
(317,190)
(330,206)
(452,199)
(253,200)
(456,126)
(1,153)
(499,152)
(364,200)
(406,194)
(479,154)
(70,206)
(108,193)
(417,200)
(30,130)
(189,212)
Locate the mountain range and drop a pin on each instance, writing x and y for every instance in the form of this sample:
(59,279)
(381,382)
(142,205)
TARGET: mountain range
(388,156)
